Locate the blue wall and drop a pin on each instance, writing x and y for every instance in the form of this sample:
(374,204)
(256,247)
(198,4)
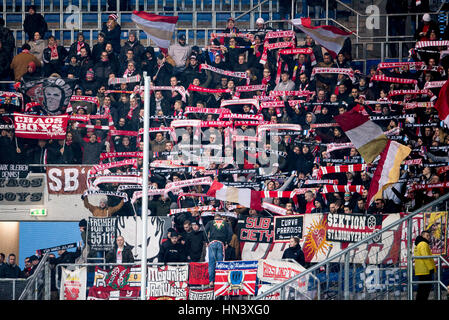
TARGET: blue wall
(41,235)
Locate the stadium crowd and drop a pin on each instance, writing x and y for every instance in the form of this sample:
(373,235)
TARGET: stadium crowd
(192,83)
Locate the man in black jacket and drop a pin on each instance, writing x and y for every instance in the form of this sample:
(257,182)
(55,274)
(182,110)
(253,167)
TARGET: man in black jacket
(11,270)
(34,22)
(171,250)
(194,243)
(120,253)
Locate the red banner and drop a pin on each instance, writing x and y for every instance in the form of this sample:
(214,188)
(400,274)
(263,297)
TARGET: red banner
(40,127)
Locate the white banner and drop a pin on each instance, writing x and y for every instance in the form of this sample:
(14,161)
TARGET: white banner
(73,284)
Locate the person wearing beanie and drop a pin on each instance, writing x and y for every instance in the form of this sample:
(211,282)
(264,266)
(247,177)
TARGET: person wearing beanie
(34,22)
(102,210)
(112,32)
(425,27)
(31,72)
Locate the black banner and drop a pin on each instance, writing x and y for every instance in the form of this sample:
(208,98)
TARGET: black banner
(101,233)
(256,229)
(286,227)
(57,248)
(351,227)
(14,170)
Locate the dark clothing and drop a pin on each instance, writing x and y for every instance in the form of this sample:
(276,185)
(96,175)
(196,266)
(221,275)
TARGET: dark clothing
(10,272)
(127,255)
(218,232)
(194,245)
(112,36)
(295,253)
(170,252)
(35,23)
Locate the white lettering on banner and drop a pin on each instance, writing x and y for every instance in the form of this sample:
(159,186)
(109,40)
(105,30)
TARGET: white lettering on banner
(377,252)
(71,179)
(55,184)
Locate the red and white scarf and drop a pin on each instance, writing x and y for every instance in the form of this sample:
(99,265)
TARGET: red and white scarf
(346,71)
(206,90)
(228,73)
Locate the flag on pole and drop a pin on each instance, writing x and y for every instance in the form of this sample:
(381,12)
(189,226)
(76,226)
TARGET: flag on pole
(388,169)
(442,103)
(158,28)
(368,138)
(330,37)
(244,196)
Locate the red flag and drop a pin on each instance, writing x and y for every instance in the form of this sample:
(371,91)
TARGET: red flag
(442,103)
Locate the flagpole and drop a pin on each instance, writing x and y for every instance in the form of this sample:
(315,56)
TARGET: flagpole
(144,210)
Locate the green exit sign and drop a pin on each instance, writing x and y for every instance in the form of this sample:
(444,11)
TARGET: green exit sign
(38,212)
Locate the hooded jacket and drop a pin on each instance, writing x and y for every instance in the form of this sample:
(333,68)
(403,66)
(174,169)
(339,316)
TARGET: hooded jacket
(422,248)
(102,213)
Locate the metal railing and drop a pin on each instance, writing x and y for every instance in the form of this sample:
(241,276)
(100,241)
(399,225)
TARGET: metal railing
(355,261)
(38,286)
(10,289)
(439,284)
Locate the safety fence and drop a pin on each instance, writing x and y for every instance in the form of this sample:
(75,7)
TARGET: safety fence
(179,281)
(376,268)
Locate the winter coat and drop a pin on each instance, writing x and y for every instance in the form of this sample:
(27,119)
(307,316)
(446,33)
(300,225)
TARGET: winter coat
(422,248)
(99,212)
(97,49)
(194,245)
(136,47)
(170,252)
(112,36)
(102,71)
(35,23)
(127,255)
(11,272)
(295,253)
(20,64)
(38,47)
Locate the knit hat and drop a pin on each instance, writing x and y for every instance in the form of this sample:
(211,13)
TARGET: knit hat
(260,20)
(82,223)
(32,64)
(90,73)
(113,16)
(426,17)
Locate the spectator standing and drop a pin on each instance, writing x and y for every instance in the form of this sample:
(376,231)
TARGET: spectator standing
(172,250)
(219,234)
(180,52)
(424,267)
(121,252)
(11,270)
(34,22)
(194,243)
(112,32)
(7,39)
(294,251)
(103,210)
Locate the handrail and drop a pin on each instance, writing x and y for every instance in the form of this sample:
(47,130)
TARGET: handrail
(33,278)
(353,246)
